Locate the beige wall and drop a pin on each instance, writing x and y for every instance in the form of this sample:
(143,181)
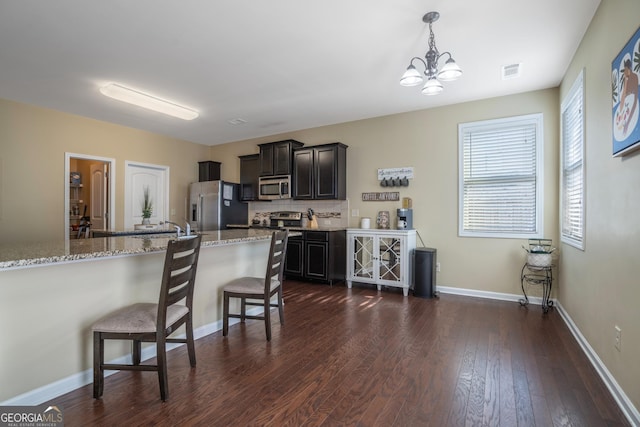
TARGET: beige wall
(600,286)
(33,142)
(427,140)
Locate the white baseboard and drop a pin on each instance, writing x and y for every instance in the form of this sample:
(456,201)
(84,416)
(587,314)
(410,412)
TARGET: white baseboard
(630,411)
(486,294)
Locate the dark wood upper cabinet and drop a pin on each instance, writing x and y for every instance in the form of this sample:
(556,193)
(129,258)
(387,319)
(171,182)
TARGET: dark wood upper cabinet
(275,157)
(330,171)
(249,173)
(320,172)
(208,171)
(266,159)
(302,177)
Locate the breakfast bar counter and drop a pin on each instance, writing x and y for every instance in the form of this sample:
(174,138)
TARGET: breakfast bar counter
(33,254)
(52,292)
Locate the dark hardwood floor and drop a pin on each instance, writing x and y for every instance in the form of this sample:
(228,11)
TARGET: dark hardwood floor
(368,358)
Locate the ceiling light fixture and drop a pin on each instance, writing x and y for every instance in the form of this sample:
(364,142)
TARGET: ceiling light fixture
(144,100)
(450,70)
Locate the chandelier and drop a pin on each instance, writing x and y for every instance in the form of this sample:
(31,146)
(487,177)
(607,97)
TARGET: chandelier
(449,71)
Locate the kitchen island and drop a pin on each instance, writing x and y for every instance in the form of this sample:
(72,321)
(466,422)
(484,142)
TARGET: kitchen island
(52,292)
(44,253)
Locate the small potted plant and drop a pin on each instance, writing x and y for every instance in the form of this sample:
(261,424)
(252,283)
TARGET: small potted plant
(147,206)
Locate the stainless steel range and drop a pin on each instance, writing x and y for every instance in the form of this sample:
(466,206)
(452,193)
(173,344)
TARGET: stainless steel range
(285,219)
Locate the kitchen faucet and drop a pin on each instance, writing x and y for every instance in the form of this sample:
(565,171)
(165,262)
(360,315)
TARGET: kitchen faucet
(187,229)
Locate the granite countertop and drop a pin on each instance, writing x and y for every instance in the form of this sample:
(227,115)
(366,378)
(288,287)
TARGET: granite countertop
(114,233)
(40,253)
(258,227)
(316,229)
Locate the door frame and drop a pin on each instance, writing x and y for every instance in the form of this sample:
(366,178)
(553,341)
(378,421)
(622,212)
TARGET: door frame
(110,192)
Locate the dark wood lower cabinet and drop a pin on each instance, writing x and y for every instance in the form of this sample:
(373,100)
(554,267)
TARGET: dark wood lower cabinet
(317,256)
(293,266)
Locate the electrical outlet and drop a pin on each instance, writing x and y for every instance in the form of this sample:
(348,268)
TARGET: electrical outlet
(438,267)
(618,342)
(173,211)
(355,212)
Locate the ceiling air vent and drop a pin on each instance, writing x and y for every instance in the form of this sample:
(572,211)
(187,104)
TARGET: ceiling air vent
(237,121)
(511,71)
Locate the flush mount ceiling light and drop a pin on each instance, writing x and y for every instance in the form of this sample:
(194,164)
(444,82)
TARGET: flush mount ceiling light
(449,71)
(150,102)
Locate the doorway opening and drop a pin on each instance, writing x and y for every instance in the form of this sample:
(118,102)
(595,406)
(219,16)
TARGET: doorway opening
(89,194)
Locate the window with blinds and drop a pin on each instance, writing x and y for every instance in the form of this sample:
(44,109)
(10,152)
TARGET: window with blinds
(572,179)
(500,183)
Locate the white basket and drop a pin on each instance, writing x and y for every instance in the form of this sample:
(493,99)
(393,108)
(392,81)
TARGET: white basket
(539,260)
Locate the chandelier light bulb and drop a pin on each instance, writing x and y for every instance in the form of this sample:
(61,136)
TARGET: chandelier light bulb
(432,87)
(411,77)
(450,71)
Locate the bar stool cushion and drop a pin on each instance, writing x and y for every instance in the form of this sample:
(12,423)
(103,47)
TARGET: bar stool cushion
(249,285)
(138,318)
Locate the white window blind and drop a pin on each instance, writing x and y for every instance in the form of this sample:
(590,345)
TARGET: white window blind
(500,183)
(572,180)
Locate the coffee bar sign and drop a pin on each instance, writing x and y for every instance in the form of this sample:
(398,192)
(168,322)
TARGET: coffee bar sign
(385,196)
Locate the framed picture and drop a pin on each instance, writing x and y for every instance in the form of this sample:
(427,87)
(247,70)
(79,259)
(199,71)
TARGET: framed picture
(625,70)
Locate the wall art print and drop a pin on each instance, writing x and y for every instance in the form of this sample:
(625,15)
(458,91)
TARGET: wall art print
(625,70)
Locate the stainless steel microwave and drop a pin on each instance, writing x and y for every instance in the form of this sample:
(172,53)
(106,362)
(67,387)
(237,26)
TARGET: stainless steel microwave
(274,187)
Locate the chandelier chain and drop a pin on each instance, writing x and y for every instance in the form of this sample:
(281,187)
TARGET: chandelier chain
(432,55)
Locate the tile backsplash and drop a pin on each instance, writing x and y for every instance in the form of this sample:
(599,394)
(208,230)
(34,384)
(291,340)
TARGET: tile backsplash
(330,213)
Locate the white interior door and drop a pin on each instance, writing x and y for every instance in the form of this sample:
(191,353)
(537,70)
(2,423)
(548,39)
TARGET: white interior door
(138,177)
(98,202)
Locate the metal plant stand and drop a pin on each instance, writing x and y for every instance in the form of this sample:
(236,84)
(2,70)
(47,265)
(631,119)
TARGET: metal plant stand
(534,275)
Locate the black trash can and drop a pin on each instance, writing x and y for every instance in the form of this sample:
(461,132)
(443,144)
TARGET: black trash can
(424,272)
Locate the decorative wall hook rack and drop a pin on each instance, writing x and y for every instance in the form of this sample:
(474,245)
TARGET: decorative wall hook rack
(395,177)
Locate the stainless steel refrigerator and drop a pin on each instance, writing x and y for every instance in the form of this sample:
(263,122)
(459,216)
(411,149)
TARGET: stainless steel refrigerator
(214,204)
